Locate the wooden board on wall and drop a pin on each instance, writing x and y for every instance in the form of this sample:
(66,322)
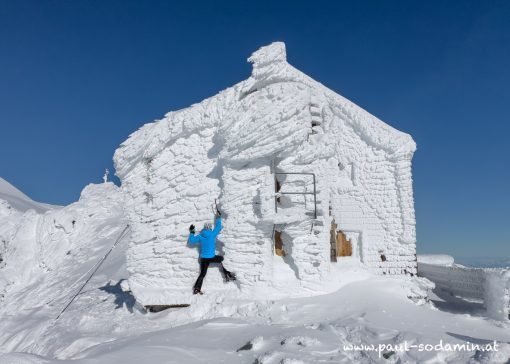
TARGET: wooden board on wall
(343,246)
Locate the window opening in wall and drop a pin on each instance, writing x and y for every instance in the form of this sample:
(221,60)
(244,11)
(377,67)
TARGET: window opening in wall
(278,187)
(278,244)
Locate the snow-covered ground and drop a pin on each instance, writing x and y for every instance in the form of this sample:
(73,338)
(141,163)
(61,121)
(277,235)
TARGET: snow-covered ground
(48,253)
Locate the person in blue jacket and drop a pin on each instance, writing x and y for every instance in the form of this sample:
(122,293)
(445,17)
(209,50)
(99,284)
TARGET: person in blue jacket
(207,241)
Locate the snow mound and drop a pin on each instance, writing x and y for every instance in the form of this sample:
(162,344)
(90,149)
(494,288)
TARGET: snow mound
(45,258)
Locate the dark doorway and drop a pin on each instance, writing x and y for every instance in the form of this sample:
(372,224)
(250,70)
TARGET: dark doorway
(278,244)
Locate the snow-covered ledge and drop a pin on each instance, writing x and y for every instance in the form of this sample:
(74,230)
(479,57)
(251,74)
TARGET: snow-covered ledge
(488,285)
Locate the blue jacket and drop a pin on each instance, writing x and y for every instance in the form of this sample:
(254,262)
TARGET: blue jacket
(207,240)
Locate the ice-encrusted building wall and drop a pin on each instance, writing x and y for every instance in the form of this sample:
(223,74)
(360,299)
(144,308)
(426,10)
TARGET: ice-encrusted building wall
(242,147)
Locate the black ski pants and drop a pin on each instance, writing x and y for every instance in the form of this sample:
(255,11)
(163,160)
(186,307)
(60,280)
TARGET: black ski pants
(204,265)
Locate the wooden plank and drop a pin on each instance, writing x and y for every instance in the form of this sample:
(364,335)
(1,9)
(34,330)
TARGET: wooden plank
(343,246)
(159,308)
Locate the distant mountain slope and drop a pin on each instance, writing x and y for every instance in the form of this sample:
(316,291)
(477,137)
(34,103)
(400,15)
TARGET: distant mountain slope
(19,201)
(485,261)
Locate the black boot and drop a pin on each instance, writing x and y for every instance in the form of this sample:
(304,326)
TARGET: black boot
(229,276)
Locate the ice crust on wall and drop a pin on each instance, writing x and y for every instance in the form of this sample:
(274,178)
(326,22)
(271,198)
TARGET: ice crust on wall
(228,147)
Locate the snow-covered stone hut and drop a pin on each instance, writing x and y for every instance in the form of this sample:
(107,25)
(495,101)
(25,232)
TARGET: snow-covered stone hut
(302,175)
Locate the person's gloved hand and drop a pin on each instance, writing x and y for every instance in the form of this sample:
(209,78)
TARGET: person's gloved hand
(218,213)
(192,229)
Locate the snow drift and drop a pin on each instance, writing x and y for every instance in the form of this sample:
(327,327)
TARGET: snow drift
(44,257)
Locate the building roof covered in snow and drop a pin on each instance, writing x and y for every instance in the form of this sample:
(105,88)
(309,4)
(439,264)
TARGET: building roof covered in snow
(270,66)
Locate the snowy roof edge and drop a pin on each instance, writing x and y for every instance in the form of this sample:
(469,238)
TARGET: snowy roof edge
(267,62)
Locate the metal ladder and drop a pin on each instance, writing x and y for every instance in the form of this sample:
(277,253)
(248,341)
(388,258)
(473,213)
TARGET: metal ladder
(314,193)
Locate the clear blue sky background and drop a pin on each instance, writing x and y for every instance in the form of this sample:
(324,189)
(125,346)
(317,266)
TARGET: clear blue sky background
(77,77)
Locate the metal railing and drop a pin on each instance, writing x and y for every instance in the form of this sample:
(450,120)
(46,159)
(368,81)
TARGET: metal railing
(314,193)
(473,284)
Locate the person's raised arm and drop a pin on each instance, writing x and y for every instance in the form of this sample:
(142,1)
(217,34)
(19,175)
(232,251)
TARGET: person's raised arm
(193,239)
(217,225)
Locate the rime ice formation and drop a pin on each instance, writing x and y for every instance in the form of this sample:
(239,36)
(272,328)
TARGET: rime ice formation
(229,147)
(34,244)
(489,286)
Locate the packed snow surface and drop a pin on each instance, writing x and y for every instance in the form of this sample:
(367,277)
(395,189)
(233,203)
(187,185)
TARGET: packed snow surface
(105,325)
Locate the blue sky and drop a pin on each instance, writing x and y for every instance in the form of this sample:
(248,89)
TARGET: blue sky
(77,77)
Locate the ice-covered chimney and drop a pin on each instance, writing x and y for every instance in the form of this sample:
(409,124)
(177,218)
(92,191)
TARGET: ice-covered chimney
(273,53)
(269,64)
